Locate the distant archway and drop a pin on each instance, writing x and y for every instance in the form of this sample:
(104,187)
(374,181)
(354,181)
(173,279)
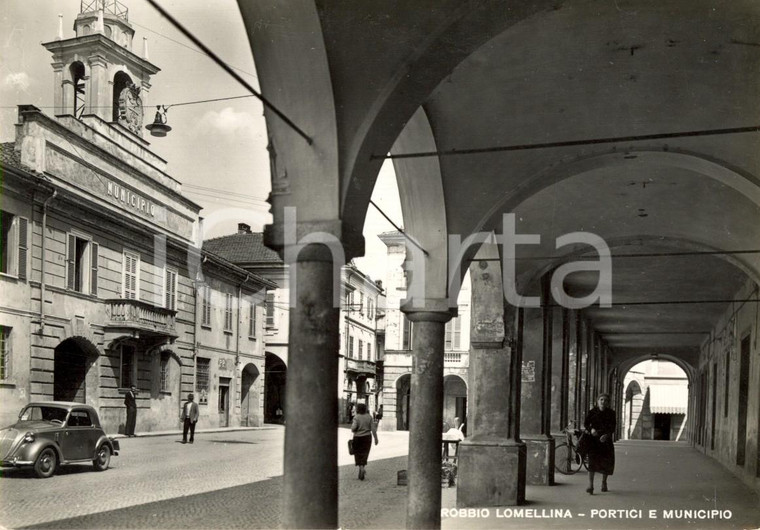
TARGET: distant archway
(275,381)
(656,401)
(249,396)
(403,391)
(454,401)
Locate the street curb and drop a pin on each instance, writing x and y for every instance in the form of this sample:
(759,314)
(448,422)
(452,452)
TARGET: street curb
(197,431)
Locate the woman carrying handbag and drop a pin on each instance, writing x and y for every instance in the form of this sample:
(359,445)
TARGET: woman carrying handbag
(364,429)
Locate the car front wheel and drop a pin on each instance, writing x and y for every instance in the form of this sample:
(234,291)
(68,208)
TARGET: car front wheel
(46,463)
(102,458)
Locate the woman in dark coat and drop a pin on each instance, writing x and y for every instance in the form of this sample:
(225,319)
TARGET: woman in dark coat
(600,424)
(364,429)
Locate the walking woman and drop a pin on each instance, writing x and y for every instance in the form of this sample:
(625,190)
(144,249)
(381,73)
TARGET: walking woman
(364,430)
(600,423)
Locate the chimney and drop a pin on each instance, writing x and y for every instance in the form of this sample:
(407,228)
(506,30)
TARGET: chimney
(244,228)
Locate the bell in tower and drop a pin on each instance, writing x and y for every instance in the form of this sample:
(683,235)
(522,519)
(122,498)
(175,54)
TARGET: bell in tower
(97,75)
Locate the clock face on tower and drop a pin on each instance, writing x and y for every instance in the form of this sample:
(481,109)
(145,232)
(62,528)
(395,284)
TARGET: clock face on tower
(130,109)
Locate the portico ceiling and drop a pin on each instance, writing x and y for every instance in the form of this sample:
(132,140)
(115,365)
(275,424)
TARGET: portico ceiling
(495,74)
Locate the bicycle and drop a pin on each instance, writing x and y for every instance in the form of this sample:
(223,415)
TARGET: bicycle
(567,460)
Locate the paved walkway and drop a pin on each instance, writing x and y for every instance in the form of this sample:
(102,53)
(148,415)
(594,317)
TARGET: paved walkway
(655,485)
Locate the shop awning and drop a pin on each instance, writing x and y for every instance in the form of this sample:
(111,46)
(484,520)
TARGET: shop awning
(668,399)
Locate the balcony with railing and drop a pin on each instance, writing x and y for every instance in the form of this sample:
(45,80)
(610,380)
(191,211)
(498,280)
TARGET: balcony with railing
(136,315)
(456,358)
(360,367)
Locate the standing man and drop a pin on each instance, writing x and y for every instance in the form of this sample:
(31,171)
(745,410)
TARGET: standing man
(189,418)
(131,404)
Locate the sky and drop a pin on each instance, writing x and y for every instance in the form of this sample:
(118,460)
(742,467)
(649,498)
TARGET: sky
(217,150)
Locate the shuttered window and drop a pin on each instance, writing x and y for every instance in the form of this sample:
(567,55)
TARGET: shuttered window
(94,268)
(81,264)
(23,245)
(5,352)
(228,312)
(252,321)
(270,310)
(170,290)
(206,307)
(131,276)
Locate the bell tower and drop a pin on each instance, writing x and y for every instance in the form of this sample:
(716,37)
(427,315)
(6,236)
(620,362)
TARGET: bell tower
(97,75)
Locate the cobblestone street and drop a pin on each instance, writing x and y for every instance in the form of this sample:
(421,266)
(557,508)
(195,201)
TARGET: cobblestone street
(224,480)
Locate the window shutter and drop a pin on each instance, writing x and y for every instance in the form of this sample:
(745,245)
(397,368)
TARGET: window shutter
(94,268)
(23,246)
(71,270)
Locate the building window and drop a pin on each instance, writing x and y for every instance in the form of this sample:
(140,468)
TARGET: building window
(370,308)
(128,366)
(252,321)
(202,366)
(228,312)
(406,333)
(170,289)
(270,310)
(131,276)
(165,371)
(361,303)
(82,265)
(350,352)
(369,351)
(361,350)
(206,306)
(14,247)
(5,352)
(453,334)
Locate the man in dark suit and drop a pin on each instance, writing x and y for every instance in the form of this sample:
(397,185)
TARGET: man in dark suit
(189,418)
(131,404)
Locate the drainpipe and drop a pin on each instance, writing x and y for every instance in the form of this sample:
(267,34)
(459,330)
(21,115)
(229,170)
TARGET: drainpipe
(42,265)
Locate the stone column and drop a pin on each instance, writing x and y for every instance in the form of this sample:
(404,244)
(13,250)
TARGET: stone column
(536,395)
(426,413)
(579,405)
(492,458)
(98,90)
(310,483)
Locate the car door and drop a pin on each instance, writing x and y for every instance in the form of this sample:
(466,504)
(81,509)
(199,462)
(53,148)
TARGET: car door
(79,436)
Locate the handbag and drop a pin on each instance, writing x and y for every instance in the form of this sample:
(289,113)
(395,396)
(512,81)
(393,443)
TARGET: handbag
(584,444)
(351,447)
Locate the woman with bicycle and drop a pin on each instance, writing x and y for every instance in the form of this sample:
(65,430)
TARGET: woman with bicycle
(600,424)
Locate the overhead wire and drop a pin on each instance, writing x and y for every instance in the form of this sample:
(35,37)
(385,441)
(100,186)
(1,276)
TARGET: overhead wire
(223,65)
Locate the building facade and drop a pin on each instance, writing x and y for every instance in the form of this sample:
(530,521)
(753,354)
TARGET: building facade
(399,332)
(360,299)
(102,277)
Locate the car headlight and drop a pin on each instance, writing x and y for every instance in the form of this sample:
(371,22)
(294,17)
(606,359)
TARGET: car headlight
(29,437)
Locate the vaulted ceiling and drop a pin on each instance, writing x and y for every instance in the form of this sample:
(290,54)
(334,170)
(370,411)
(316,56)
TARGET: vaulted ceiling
(623,118)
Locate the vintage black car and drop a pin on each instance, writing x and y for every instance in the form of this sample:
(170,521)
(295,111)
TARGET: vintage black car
(51,433)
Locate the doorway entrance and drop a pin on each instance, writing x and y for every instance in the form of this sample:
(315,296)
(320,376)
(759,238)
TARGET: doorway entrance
(70,372)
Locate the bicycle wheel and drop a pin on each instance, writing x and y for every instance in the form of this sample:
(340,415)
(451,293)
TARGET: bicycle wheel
(566,459)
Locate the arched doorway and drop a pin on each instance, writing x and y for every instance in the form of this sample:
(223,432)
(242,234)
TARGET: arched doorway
(403,390)
(454,401)
(275,380)
(249,397)
(73,359)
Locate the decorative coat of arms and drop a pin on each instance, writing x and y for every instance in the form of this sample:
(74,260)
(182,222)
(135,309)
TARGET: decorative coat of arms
(131,109)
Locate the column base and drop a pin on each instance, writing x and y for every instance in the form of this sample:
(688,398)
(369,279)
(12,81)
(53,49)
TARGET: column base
(491,473)
(540,459)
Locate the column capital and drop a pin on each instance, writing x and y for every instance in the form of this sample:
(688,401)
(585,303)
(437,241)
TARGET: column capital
(317,240)
(431,310)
